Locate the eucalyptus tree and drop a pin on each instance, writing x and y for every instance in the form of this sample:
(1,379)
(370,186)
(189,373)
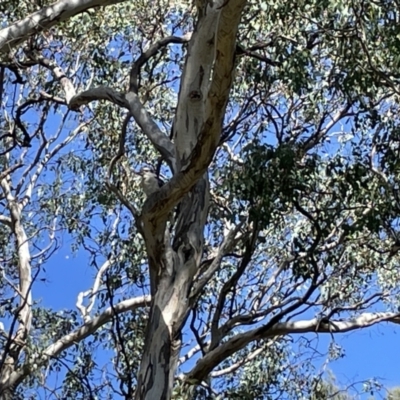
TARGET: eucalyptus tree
(393,394)
(328,389)
(275,125)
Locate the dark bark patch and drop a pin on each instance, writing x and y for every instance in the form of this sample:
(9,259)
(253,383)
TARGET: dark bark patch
(188,252)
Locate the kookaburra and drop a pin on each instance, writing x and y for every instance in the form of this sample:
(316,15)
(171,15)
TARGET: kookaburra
(150,181)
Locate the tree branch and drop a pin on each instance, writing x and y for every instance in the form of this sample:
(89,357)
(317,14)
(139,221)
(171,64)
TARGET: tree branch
(44,19)
(78,335)
(156,208)
(145,56)
(57,72)
(159,139)
(90,327)
(98,93)
(218,333)
(131,102)
(229,241)
(5,220)
(232,368)
(206,364)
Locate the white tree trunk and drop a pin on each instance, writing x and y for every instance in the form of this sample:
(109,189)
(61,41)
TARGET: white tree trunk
(204,91)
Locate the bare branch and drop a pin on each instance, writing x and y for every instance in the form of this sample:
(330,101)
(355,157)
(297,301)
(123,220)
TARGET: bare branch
(159,139)
(24,315)
(194,350)
(85,311)
(44,161)
(205,365)
(91,326)
(225,247)
(238,364)
(98,93)
(145,56)
(5,220)
(320,133)
(216,332)
(9,170)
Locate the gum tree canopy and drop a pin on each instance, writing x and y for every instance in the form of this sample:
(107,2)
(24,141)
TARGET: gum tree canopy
(275,125)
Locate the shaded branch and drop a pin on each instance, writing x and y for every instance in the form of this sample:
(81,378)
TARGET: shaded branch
(241,51)
(159,139)
(225,248)
(218,333)
(145,56)
(5,220)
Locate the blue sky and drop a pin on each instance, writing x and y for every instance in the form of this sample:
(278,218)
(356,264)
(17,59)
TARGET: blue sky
(370,353)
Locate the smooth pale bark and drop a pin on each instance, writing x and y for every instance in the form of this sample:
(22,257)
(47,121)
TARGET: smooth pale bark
(23,319)
(45,18)
(204,92)
(13,377)
(207,363)
(11,373)
(174,260)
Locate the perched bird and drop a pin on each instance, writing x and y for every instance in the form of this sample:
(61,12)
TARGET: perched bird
(150,181)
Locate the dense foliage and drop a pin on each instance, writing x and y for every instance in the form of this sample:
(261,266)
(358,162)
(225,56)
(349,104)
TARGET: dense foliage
(279,219)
